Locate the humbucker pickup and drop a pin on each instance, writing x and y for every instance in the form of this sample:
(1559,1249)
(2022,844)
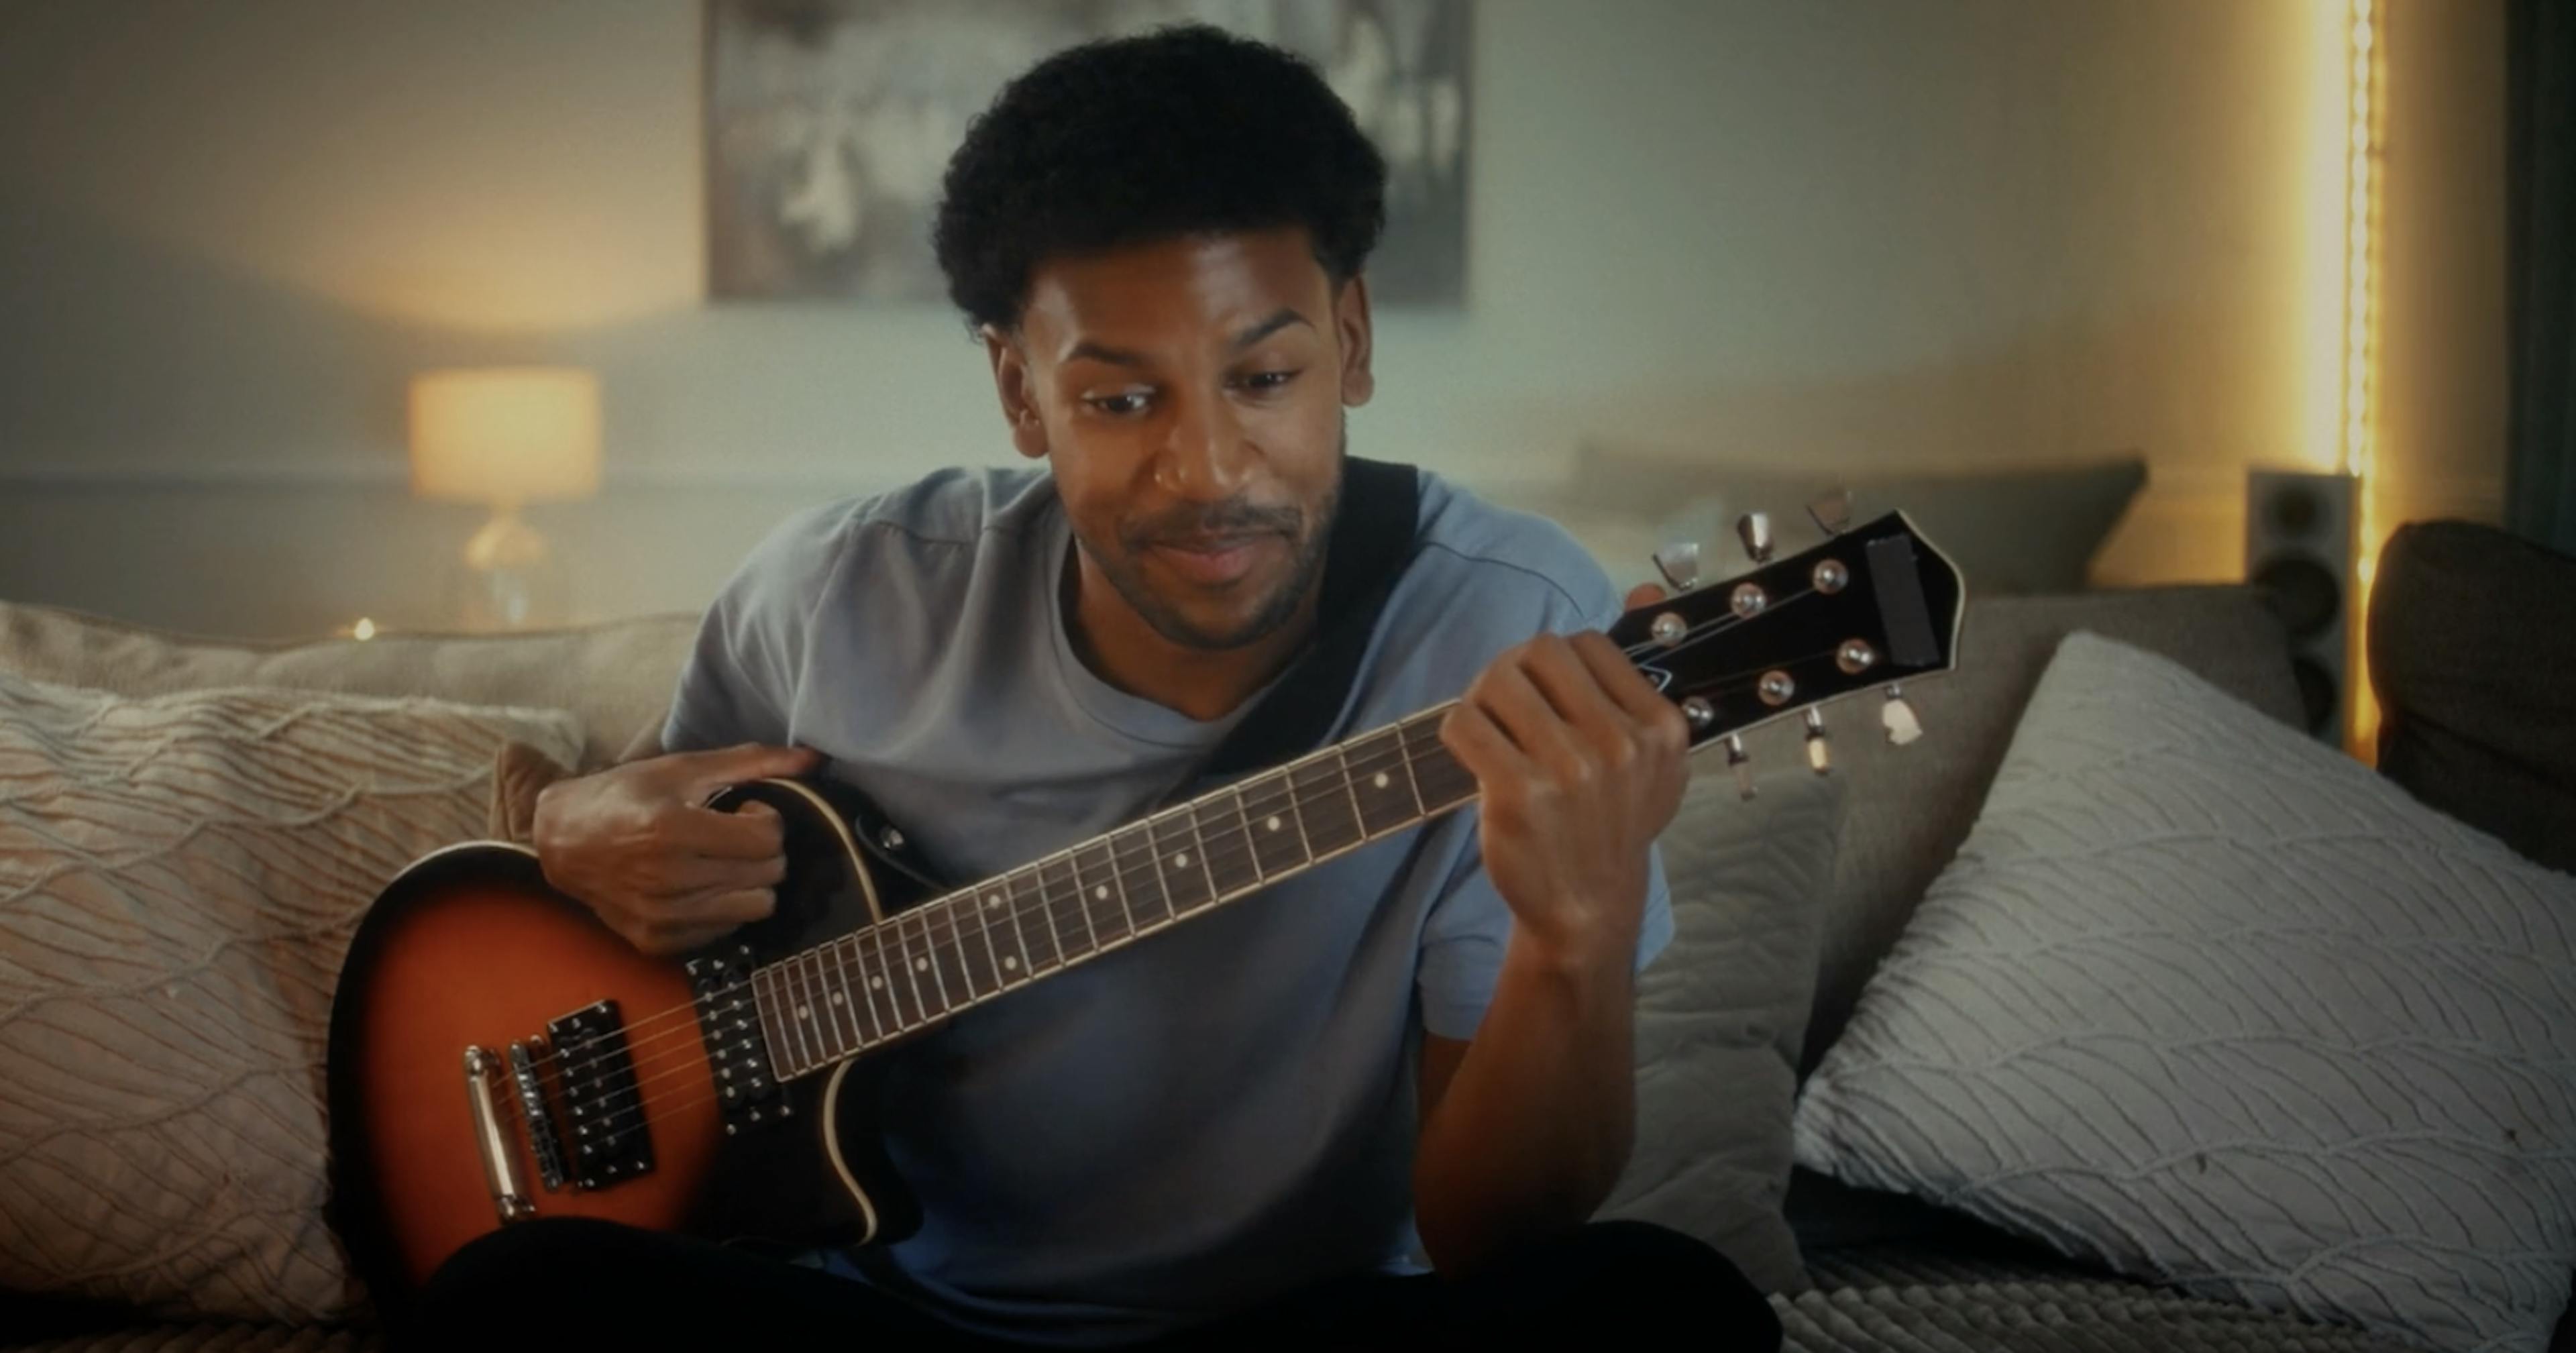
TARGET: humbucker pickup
(596,1073)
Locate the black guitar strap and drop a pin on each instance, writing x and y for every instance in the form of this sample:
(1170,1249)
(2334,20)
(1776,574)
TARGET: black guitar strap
(1374,536)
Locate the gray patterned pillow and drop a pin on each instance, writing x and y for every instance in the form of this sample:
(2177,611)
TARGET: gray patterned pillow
(179,877)
(2209,1004)
(1721,1012)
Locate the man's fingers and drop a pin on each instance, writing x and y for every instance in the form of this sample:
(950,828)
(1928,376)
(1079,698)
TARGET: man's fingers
(708,772)
(1507,694)
(1470,735)
(1644,594)
(752,833)
(733,907)
(688,874)
(1572,688)
(1619,679)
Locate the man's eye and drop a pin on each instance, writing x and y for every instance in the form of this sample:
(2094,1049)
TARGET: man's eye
(1123,403)
(1268,380)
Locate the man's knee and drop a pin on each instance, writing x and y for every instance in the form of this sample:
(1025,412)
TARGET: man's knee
(519,1269)
(1648,1276)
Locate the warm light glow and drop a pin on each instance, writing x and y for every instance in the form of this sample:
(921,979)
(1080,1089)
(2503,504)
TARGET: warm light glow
(2360,346)
(505,435)
(364,630)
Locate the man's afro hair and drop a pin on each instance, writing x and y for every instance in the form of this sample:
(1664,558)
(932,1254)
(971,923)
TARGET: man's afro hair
(1178,132)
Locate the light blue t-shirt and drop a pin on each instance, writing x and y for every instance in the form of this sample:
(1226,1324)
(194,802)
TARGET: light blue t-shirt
(1193,1124)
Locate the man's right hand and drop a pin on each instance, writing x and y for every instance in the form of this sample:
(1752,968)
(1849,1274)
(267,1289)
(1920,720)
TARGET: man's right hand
(634,844)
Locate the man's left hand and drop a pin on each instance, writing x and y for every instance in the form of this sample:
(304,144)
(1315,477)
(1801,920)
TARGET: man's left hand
(1581,764)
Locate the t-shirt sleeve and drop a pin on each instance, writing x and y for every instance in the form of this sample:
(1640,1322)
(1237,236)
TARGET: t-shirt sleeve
(739,683)
(1470,925)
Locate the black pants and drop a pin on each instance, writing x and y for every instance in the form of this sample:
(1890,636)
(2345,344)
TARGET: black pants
(573,1283)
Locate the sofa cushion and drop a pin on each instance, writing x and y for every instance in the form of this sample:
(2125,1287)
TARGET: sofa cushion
(1910,807)
(2473,658)
(615,677)
(180,876)
(1720,1014)
(2205,1001)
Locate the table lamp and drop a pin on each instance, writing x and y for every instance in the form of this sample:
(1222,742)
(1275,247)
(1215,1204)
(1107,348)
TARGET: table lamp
(506,436)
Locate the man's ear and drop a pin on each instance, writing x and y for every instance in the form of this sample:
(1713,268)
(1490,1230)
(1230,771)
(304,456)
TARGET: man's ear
(1351,326)
(1011,381)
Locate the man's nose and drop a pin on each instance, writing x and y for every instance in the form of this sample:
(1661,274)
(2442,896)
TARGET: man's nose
(1204,457)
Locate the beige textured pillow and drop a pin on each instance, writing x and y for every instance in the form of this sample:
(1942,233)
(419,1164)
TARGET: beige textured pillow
(179,877)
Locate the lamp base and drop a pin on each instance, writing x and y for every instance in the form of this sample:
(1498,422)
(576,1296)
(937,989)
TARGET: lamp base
(509,578)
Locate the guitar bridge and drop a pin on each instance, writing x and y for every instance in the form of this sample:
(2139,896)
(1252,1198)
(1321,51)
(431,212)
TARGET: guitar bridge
(543,1142)
(610,1140)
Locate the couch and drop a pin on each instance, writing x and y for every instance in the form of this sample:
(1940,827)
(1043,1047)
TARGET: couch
(1880,1272)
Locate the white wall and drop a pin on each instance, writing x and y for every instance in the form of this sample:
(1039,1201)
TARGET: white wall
(1973,232)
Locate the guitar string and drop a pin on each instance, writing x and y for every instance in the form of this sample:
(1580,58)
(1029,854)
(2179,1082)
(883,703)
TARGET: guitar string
(1232,846)
(1396,732)
(1122,859)
(954,936)
(668,1069)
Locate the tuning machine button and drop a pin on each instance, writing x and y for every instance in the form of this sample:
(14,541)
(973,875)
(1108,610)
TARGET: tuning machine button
(1741,763)
(1820,756)
(1700,714)
(1897,717)
(1832,512)
(1679,563)
(1754,529)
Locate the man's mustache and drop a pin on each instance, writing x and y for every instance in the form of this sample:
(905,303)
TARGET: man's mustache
(1232,519)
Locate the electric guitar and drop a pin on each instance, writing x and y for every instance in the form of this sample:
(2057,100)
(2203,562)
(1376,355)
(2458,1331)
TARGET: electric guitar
(498,1054)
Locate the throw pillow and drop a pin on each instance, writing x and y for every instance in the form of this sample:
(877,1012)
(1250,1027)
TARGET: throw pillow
(2209,1004)
(1720,1015)
(179,878)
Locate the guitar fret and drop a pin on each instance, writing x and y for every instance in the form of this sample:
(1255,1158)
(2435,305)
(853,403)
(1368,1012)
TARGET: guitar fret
(853,958)
(1282,847)
(1251,844)
(1024,888)
(993,903)
(928,961)
(1182,858)
(975,949)
(920,1012)
(1104,893)
(1138,842)
(1217,859)
(1056,879)
(1383,792)
(772,1033)
(836,996)
(809,1005)
(881,1001)
(1320,792)
(803,1051)
(1438,779)
(985,921)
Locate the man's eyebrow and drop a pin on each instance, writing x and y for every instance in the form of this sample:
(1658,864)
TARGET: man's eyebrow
(1287,315)
(1102,352)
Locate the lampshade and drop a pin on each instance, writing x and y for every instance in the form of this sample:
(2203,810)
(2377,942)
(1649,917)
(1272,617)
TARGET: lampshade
(505,435)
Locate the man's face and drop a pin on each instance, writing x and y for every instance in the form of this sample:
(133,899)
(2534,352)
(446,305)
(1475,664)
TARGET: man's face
(1189,394)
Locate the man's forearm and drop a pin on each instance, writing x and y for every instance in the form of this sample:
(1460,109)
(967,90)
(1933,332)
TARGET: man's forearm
(1535,1126)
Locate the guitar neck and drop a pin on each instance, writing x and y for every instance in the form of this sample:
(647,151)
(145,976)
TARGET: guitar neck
(824,1005)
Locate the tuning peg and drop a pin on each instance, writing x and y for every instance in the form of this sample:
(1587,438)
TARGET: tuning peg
(1742,764)
(1820,756)
(1754,529)
(1832,511)
(1679,563)
(1898,717)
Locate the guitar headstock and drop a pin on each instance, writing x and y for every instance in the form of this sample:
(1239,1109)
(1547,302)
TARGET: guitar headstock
(1873,607)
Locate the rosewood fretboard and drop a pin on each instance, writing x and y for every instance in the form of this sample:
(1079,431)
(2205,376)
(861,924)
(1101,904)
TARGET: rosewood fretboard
(826,1004)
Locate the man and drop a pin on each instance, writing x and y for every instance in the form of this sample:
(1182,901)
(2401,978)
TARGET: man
(1233,1133)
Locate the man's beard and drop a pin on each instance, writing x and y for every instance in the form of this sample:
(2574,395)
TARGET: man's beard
(1232,517)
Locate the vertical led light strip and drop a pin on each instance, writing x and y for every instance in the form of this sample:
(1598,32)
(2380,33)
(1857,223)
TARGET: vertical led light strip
(2360,340)
(2360,219)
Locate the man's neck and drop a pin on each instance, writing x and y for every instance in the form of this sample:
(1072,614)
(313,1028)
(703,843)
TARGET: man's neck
(1121,648)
